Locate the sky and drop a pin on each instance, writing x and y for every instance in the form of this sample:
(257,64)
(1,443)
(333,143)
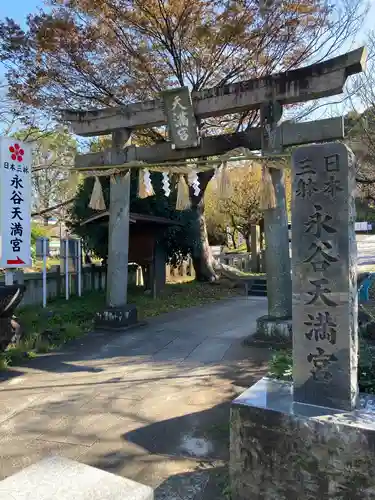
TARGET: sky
(18,9)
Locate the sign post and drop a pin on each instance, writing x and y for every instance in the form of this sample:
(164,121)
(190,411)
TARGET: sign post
(45,272)
(66,245)
(15,205)
(79,267)
(71,262)
(8,277)
(42,250)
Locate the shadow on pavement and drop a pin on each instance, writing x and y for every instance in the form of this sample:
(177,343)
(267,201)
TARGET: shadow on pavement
(202,435)
(200,438)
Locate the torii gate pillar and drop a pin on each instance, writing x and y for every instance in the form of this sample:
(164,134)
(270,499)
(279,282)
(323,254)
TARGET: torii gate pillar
(277,325)
(118,314)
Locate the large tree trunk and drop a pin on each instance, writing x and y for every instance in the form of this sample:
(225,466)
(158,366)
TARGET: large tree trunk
(202,256)
(248,245)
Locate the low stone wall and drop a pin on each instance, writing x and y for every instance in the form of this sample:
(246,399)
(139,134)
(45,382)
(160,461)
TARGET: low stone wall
(94,277)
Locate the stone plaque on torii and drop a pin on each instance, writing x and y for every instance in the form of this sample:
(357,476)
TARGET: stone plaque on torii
(301,85)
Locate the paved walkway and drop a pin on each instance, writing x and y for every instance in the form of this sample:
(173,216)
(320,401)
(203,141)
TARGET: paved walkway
(151,404)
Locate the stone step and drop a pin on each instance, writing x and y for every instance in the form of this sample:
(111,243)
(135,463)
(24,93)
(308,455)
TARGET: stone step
(257,293)
(262,284)
(259,284)
(259,281)
(258,288)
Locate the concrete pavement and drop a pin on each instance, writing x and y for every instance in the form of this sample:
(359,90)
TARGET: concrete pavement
(151,404)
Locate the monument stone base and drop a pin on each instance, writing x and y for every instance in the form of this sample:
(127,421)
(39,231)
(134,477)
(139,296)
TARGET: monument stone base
(284,450)
(273,331)
(116,318)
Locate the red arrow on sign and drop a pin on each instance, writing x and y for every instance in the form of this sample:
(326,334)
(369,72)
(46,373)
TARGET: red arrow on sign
(15,262)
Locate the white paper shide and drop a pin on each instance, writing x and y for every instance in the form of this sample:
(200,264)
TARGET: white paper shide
(15,203)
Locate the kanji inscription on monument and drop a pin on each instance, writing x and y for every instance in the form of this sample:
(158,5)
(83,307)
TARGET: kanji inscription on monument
(325,337)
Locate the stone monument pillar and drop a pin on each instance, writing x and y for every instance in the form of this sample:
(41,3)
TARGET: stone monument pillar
(324,272)
(313,438)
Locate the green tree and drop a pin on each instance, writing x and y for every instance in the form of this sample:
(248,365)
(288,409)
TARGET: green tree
(243,207)
(360,127)
(103,53)
(37,231)
(217,221)
(177,240)
(53,156)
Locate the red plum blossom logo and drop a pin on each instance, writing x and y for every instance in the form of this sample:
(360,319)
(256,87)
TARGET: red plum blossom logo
(16,152)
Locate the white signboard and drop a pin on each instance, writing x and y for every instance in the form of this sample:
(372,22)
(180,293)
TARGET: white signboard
(15,203)
(216,250)
(361,226)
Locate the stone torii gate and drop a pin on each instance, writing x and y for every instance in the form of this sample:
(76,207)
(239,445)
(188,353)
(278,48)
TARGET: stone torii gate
(267,94)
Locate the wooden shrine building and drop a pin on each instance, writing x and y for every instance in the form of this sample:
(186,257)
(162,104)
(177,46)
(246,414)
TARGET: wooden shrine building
(144,247)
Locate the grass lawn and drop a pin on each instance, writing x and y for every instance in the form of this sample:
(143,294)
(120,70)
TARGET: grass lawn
(51,261)
(47,329)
